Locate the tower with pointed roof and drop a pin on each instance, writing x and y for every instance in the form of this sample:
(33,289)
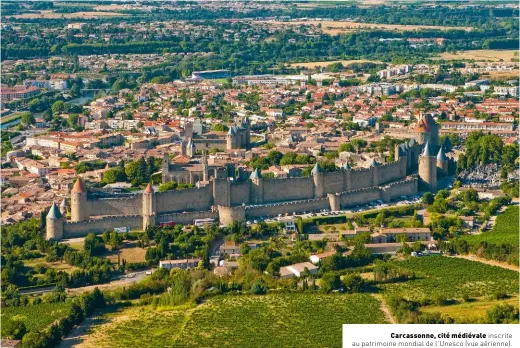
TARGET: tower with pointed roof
(443,162)
(149,206)
(318,180)
(78,203)
(63,206)
(257,187)
(428,170)
(54,223)
(427,130)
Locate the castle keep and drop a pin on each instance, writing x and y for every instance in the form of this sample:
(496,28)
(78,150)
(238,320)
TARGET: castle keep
(229,199)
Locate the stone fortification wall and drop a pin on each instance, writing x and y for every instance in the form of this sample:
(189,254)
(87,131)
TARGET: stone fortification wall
(192,199)
(107,223)
(391,171)
(277,190)
(397,189)
(334,181)
(229,214)
(115,206)
(287,207)
(188,217)
(360,178)
(360,196)
(366,195)
(240,193)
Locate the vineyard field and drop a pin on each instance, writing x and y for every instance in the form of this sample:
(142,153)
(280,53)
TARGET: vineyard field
(505,231)
(452,278)
(36,317)
(273,320)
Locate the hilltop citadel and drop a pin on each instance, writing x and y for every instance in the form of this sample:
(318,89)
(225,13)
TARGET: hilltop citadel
(227,197)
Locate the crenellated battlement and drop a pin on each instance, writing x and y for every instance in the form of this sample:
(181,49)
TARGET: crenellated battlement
(108,217)
(288,203)
(357,190)
(221,199)
(401,182)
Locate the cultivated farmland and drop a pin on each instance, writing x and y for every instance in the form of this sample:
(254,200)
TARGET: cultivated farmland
(244,321)
(452,278)
(36,317)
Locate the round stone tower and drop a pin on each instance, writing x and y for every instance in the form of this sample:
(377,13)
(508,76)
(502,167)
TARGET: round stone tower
(230,138)
(78,204)
(317,178)
(54,223)
(149,206)
(257,187)
(427,170)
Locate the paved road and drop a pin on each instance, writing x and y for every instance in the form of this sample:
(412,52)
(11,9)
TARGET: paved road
(353,211)
(125,280)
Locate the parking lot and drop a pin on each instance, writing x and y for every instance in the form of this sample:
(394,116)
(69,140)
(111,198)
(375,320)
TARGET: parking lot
(376,205)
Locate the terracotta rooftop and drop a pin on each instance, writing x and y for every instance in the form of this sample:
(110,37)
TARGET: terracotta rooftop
(79,186)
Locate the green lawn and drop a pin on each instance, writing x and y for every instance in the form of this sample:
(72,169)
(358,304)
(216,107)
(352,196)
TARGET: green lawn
(274,320)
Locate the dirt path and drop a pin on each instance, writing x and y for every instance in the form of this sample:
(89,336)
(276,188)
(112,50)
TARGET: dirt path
(128,280)
(488,262)
(386,311)
(79,334)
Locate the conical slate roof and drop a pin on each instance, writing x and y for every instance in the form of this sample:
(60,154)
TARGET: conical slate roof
(427,152)
(54,212)
(446,144)
(411,142)
(346,166)
(256,174)
(441,156)
(63,203)
(316,169)
(79,186)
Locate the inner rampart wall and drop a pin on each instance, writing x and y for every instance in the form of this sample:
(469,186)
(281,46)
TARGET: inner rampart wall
(277,190)
(192,199)
(360,178)
(392,171)
(115,206)
(334,181)
(240,193)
